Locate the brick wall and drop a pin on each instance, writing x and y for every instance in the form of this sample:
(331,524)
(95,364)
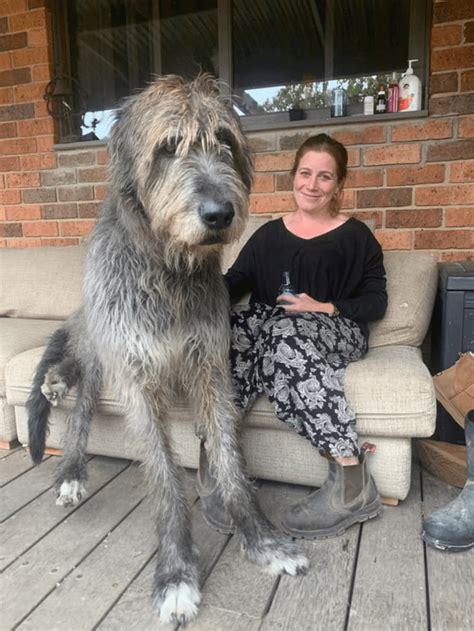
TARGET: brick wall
(415,177)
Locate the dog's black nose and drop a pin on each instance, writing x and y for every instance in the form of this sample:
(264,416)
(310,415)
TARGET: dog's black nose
(216,216)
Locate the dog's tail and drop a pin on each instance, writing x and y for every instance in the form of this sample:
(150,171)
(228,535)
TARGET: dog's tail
(38,405)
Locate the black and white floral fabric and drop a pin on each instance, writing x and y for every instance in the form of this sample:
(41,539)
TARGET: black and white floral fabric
(298,360)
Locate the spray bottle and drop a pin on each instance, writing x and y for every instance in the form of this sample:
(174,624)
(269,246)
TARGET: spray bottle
(393,94)
(409,99)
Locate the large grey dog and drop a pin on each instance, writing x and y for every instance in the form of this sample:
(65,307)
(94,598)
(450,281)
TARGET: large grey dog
(155,321)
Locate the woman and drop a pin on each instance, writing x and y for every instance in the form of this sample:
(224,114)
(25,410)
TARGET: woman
(295,348)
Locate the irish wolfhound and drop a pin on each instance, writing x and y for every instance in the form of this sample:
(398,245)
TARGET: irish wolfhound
(155,321)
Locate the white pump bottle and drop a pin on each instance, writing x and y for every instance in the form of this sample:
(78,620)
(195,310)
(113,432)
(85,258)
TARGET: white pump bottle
(409,99)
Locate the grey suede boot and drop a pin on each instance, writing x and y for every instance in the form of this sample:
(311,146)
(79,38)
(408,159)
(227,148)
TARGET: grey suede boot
(212,503)
(348,496)
(452,527)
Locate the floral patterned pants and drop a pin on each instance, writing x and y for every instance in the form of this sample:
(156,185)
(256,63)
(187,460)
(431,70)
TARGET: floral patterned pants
(298,360)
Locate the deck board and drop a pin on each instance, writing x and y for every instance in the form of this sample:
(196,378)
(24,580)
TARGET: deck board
(92,567)
(450,575)
(13,465)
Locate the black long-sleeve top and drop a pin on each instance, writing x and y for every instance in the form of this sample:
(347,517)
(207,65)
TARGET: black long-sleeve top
(343,266)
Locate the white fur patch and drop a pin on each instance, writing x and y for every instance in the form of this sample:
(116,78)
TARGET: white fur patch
(71,493)
(291,565)
(180,602)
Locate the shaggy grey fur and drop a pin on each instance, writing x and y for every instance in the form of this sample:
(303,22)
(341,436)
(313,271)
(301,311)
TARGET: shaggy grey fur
(155,321)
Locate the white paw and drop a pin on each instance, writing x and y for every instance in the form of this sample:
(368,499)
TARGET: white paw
(54,388)
(70,493)
(288,564)
(178,604)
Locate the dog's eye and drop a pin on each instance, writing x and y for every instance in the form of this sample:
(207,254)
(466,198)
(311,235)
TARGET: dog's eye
(225,139)
(170,147)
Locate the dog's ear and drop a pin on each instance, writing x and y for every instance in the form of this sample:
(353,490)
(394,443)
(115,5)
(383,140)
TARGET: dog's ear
(245,164)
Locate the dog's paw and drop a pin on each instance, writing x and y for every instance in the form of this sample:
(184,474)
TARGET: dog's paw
(177,604)
(279,557)
(71,492)
(54,387)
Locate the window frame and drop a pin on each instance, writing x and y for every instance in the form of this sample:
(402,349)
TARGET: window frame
(419,48)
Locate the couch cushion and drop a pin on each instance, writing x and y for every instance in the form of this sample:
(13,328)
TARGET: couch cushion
(18,335)
(412,279)
(390,389)
(44,283)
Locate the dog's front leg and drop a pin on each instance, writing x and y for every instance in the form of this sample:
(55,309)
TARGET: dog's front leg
(218,418)
(176,583)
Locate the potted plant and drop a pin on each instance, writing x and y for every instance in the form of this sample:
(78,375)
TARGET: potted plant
(296,111)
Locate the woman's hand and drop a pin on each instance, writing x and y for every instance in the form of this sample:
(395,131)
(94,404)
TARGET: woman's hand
(303,302)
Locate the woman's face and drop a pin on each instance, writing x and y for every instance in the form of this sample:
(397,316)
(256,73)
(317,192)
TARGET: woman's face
(315,182)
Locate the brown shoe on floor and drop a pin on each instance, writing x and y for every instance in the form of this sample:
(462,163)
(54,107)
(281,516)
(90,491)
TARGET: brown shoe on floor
(455,387)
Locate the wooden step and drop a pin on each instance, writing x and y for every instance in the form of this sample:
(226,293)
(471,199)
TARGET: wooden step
(445,461)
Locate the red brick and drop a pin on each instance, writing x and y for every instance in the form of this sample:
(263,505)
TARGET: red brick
(22,212)
(419,218)
(38,127)
(364,215)
(274,161)
(76,228)
(6,96)
(45,143)
(271,203)
(7,130)
(100,191)
(27,20)
(446,35)
(469,32)
(17,112)
(102,156)
(17,146)
(15,77)
(59,211)
(24,243)
(284,182)
(38,161)
(266,141)
(384,197)
(76,158)
(58,242)
(9,164)
(359,178)
(263,184)
(10,7)
(443,82)
(88,210)
(10,197)
(292,140)
(392,154)
(452,105)
(5,61)
(75,193)
(444,239)
(466,127)
(395,239)
(426,174)
(467,81)
(3,25)
(38,195)
(454,150)
(97,174)
(41,72)
(348,199)
(445,195)
(459,216)
(353,157)
(41,110)
(452,10)
(462,171)
(363,135)
(3,214)
(40,229)
(10,230)
(13,41)
(457,256)
(29,92)
(453,58)
(37,37)
(425,130)
(22,180)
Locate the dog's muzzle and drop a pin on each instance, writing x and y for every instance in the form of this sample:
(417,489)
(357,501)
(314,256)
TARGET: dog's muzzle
(215,215)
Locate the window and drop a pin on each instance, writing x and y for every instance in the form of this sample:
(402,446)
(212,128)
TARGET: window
(271,54)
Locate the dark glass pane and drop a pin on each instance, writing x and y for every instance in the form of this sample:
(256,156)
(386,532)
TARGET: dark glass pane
(188,34)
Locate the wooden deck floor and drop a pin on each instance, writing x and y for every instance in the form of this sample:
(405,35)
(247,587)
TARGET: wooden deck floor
(91,567)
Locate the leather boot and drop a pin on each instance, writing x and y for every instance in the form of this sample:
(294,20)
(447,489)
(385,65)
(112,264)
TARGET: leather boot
(455,387)
(212,503)
(452,527)
(348,496)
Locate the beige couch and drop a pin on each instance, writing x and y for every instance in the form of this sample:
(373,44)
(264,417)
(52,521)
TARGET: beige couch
(391,389)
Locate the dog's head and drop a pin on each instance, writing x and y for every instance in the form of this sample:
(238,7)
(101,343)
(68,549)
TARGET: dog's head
(178,149)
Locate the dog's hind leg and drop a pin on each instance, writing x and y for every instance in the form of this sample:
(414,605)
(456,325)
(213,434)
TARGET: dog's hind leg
(71,474)
(260,540)
(176,582)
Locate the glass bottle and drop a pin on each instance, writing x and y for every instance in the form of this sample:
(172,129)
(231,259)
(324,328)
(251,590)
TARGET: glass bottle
(381,101)
(286,288)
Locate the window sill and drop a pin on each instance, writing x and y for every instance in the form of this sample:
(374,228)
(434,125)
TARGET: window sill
(321,118)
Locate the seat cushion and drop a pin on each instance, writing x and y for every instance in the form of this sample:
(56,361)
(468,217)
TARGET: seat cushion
(390,389)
